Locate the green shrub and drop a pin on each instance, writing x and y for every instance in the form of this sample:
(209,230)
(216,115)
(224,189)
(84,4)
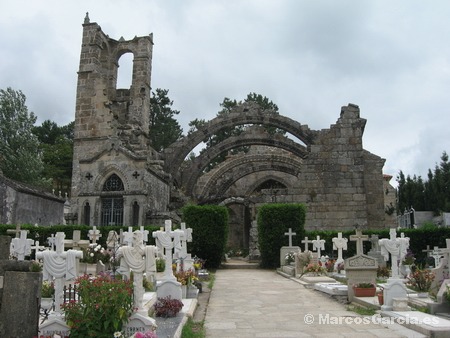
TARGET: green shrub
(209,225)
(273,221)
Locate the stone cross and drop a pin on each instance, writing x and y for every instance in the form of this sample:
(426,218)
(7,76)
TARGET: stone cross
(37,248)
(60,265)
(144,234)
(17,231)
(374,241)
(290,234)
(166,241)
(306,242)
(392,246)
(318,245)
(128,237)
(21,247)
(428,251)
(437,255)
(94,234)
(359,238)
(186,238)
(51,242)
(339,244)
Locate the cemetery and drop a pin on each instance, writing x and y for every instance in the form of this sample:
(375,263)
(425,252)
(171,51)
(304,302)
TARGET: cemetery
(128,286)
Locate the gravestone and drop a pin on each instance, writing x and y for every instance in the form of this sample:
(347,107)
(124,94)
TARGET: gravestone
(314,255)
(76,242)
(359,238)
(441,271)
(21,246)
(339,244)
(318,246)
(166,241)
(284,250)
(185,260)
(360,269)
(94,234)
(138,324)
(395,287)
(18,318)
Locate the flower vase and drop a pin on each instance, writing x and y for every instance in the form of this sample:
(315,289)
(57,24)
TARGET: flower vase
(380,298)
(47,303)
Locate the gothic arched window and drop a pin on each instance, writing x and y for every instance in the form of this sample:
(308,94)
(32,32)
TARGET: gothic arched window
(112,204)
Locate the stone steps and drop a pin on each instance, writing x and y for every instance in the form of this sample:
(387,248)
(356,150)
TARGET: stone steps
(239,264)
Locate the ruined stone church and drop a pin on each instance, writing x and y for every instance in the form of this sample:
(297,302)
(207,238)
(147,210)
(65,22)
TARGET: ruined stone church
(119,179)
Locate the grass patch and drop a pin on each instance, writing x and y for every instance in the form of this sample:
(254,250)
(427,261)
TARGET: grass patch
(363,311)
(193,329)
(211,280)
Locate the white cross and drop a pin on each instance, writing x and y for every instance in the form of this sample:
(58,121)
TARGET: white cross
(339,244)
(144,234)
(318,245)
(359,238)
(37,248)
(51,242)
(164,241)
(21,247)
(128,237)
(306,242)
(94,234)
(290,234)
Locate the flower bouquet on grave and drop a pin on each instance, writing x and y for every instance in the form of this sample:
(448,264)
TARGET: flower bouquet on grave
(420,280)
(289,258)
(94,253)
(315,269)
(48,289)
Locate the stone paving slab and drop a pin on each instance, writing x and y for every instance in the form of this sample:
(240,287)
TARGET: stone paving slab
(261,303)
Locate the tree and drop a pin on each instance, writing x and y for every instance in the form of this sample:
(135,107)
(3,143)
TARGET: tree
(21,159)
(164,129)
(56,144)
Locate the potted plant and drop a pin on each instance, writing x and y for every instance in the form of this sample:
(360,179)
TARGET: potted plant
(420,280)
(364,289)
(47,292)
(380,296)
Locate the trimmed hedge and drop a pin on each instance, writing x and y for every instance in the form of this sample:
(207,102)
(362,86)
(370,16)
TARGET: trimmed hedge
(209,225)
(273,221)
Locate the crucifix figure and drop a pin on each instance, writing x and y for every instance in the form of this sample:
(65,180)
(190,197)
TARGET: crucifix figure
(359,238)
(290,234)
(339,244)
(306,242)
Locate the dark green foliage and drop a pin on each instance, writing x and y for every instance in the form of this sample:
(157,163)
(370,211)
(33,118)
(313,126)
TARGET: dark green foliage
(273,221)
(209,225)
(430,195)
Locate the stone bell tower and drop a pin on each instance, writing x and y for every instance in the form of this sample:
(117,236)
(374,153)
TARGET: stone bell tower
(111,176)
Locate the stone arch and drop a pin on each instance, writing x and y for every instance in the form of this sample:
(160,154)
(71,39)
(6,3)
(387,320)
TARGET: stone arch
(246,113)
(255,136)
(223,178)
(105,174)
(260,181)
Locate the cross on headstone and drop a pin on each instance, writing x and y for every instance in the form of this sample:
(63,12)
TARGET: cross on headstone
(290,234)
(374,241)
(144,234)
(21,247)
(391,246)
(89,176)
(166,241)
(136,175)
(94,234)
(51,242)
(306,242)
(359,238)
(339,244)
(36,247)
(318,245)
(16,231)
(437,255)
(128,237)
(428,251)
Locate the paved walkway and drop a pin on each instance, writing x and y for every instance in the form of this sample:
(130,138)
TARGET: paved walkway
(261,303)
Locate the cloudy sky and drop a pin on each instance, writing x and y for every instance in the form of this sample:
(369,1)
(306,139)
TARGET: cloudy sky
(310,57)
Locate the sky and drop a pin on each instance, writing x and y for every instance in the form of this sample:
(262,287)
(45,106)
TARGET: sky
(310,57)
